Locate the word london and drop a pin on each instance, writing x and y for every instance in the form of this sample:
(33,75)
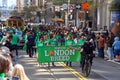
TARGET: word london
(60,55)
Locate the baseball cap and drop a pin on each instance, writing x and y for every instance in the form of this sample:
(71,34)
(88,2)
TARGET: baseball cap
(5,50)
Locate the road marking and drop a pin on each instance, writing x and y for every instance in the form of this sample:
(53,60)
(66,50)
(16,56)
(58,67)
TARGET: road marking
(73,71)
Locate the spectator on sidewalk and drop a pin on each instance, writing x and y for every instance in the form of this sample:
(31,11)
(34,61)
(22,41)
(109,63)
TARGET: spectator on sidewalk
(97,43)
(6,53)
(116,46)
(4,66)
(19,73)
(101,46)
(109,41)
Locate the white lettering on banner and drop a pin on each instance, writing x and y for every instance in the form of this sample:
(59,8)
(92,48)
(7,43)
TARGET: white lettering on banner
(61,52)
(64,52)
(72,52)
(60,48)
(46,53)
(56,52)
(60,58)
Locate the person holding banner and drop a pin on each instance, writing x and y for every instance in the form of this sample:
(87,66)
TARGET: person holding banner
(39,43)
(52,42)
(69,42)
(80,42)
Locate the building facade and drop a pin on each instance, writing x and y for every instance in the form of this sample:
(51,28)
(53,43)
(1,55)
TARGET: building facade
(103,14)
(20,5)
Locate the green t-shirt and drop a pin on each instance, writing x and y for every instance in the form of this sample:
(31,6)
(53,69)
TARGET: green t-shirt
(38,36)
(39,44)
(45,42)
(25,38)
(2,75)
(52,42)
(69,42)
(15,39)
(81,41)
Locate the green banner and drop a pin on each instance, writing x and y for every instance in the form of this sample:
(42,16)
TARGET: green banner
(58,54)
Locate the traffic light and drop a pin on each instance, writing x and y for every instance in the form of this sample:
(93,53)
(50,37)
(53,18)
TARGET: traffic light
(87,15)
(86,6)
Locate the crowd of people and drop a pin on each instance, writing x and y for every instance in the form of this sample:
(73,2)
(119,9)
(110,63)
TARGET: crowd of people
(9,69)
(103,43)
(97,44)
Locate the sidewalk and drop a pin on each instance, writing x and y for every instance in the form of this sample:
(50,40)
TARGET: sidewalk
(110,70)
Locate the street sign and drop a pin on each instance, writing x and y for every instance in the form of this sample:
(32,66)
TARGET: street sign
(64,6)
(78,6)
(71,6)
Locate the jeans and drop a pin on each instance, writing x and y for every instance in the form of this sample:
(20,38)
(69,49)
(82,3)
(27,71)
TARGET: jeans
(30,50)
(101,52)
(110,53)
(15,47)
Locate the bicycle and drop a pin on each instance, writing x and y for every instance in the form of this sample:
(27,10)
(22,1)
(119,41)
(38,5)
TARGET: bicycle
(86,66)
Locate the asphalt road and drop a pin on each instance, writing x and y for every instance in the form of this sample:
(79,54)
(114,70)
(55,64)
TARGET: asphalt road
(101,70)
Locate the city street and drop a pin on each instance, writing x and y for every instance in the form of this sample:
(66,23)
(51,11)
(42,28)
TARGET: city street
(101,70)
(60,33)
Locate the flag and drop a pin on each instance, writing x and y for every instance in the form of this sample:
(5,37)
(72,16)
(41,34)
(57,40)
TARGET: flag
(116,28)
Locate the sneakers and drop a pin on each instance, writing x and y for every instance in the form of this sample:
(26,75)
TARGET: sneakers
(109,60)
(116,60)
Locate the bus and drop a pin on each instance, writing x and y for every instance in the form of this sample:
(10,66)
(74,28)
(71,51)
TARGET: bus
(15,21)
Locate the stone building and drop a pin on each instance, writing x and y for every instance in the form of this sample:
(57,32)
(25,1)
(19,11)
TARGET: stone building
(103,14)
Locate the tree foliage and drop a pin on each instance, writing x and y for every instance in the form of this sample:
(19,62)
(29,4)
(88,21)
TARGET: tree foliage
(60,2)
(115,5)
(14,13)
(29,11)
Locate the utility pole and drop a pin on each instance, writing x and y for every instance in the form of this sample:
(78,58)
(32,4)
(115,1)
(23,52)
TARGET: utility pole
(67,21)
(77,8)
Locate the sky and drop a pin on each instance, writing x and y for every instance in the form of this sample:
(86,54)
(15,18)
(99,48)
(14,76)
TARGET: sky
(9,2)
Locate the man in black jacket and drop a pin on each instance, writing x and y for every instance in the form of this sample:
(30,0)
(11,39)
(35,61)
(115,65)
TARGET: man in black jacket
(30,43)
(88,49)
